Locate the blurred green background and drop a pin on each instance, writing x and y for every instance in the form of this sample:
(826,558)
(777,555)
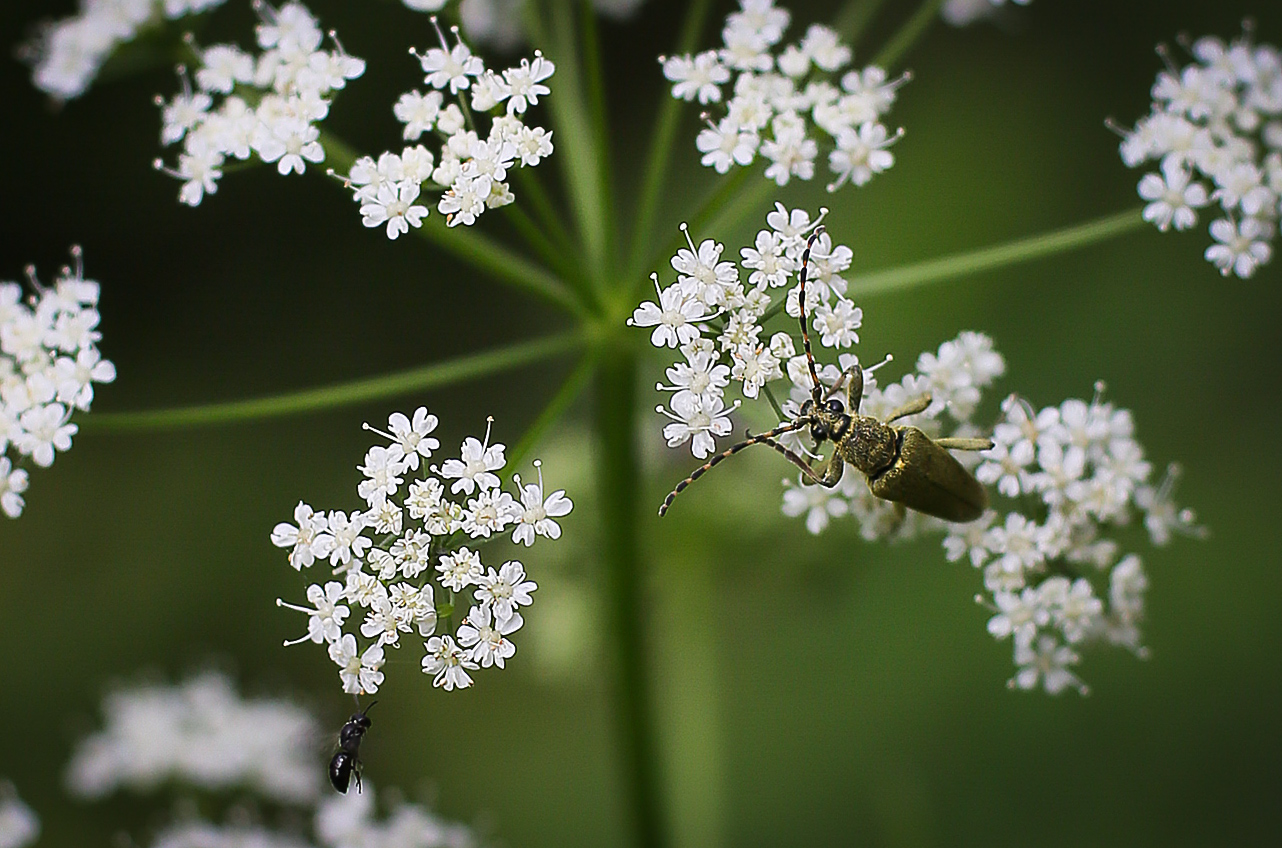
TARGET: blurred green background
(810,690)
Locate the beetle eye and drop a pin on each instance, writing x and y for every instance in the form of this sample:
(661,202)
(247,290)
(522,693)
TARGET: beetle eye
(834,406)
(818,433)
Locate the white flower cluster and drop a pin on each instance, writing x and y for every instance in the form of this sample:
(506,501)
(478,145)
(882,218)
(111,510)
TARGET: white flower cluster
(270,102)
(1216,131)
(471,170)
(69,52)
(954,376)
(773,95)
(49,362)
(397,591)
(201,733)
(341,821)
(500,23)
(964,12)
(1078,474)
(347,821)
(716,321)
(19,825)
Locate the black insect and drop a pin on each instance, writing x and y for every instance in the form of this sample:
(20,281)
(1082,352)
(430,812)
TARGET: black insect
(347,761)
(902,464)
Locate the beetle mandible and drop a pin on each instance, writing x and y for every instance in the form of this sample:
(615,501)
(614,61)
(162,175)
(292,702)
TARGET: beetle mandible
(902,464)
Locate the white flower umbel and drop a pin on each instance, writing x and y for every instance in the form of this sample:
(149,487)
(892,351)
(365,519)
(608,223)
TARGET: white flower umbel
(470,170)
(500,23)
(49,362)
(402,570)
(1215,133)
(68,53)
(965,12)
(265,104)
(714,313)
(1070,475)
(779,100)
(19,825)
(202,734)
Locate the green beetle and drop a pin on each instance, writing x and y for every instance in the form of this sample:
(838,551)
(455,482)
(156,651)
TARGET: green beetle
(902,464)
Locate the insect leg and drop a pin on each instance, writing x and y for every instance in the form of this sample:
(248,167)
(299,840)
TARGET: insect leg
(911,408)
(853,379)
(726,454)
(955,443)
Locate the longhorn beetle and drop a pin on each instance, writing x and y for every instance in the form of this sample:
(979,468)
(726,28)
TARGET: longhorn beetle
(902,463)
(346,761)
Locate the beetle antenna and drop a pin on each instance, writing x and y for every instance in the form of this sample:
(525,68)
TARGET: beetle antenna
(792,457)
(761,438)
(801,312)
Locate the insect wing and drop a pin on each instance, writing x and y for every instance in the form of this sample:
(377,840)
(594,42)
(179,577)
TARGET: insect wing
(929,479)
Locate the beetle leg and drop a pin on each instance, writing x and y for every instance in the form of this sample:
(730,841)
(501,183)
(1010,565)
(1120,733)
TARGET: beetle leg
(965,444)
(911,408)
(853,380)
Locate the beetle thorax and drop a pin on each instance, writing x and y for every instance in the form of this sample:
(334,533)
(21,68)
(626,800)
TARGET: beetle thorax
(869,445)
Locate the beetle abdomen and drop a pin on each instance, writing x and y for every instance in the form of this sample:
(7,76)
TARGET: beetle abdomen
(929,479)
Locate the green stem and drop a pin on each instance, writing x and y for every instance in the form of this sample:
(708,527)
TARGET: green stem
(988,258)
(539,241)
(618,487)
(479,250)
(552,412)
(532,189)
(343,394)
(726,188)
(573,129)
(854,18)
(600,122)
(665,130)
(925,15)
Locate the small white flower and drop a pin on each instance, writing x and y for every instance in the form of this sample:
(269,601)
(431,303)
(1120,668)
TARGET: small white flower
(535,513)
(1241,247)
(505,590)
(674,318)
(476,467)
(486,636)
(359,672)
(448,664)
(699,418)
(325,618)
(1047,661)
(460,569)
(700,76)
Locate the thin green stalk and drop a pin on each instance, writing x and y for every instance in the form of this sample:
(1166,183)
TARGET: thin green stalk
(432,376)
(540,243)
(921,20)
(855,17)
(618,486)
(552,412)
(471,246)
(726,188)
(988,258)
(600,122)
(573,130)
(665,130)
(533,190)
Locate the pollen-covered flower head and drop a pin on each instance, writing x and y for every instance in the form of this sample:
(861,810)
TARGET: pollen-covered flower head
(398,565)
